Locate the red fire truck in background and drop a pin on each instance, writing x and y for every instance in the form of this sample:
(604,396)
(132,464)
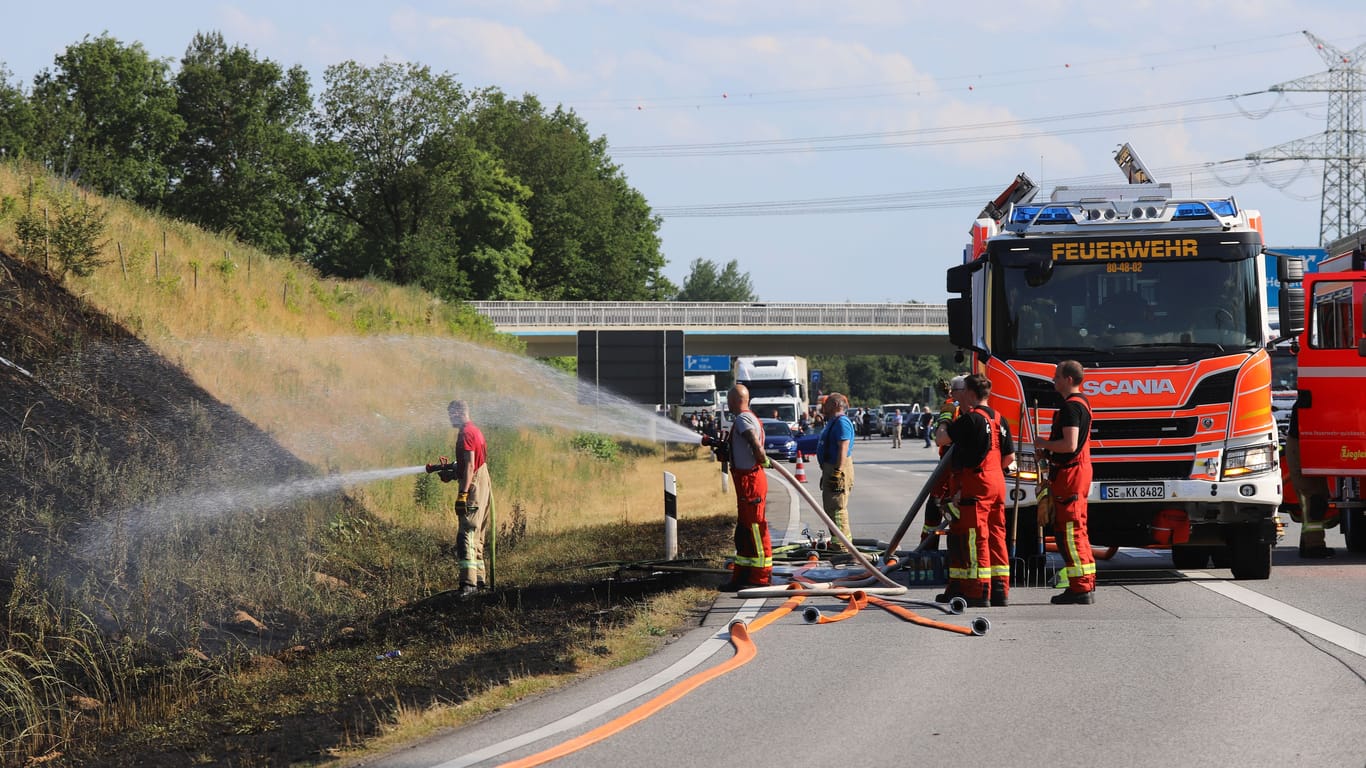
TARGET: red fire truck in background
(1327,313)
(1163,301)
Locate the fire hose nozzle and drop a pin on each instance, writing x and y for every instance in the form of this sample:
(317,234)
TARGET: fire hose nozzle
(442,465)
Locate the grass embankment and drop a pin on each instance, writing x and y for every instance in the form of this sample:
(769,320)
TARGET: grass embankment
(161,605)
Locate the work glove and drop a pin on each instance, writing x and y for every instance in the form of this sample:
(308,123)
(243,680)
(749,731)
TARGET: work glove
(768,463)
(462,504)
(951,510)
(835,483)
(1045,509)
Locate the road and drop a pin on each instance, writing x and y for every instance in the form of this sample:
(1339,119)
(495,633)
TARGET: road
(1167,668)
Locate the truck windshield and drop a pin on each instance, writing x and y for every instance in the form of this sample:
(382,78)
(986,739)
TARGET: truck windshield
(780,411)
(758,389)
(1205,306)
(700,398)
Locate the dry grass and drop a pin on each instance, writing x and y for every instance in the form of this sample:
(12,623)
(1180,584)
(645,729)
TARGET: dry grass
(346,375)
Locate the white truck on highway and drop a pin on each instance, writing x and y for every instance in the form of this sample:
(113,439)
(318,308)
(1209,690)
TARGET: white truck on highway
(777,386)
(700,396)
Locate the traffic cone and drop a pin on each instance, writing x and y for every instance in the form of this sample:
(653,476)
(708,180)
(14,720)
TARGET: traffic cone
(801,470)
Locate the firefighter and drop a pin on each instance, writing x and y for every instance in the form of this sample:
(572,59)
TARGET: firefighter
(948,411)
(1312,492)
(1069,481)
(753,548)
(476,490)
(835,452)
(979,570)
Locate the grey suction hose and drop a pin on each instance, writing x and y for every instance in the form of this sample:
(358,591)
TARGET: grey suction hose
(858,556)
(938,472)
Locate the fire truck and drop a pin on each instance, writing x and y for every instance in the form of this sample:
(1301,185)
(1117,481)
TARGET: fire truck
(1163,301)
(1330,351)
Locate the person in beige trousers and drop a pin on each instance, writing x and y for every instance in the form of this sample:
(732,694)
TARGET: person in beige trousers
(835,452)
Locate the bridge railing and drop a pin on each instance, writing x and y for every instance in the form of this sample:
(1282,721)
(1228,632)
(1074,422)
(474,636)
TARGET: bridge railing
(638,314)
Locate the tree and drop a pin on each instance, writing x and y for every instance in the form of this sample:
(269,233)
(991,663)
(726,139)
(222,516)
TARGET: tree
(875,379)
(16,118)
(106,115)
(236,163)
(413,199)
(593,235)
(704,283)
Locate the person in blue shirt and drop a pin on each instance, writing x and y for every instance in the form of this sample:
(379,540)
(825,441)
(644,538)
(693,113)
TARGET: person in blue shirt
(835,452)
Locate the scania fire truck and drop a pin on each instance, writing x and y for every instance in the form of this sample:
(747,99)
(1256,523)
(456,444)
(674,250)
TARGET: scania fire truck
(1163,301)
(1331,359)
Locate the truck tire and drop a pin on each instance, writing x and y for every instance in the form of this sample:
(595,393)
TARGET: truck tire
(1251,558)
(1190,558)
(1355,534)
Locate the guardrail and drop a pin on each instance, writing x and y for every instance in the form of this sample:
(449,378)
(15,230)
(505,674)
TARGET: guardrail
(638,314)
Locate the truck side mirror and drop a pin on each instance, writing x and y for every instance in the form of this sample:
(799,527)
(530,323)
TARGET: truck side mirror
(1291,310)
(1290,306)
(960,322)
(1290,269)
(959,279)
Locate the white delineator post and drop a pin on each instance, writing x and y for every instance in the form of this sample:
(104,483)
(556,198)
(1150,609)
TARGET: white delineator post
(670,516)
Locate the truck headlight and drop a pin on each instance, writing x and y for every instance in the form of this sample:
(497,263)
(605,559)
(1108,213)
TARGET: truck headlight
(1026,466)
(1252,460)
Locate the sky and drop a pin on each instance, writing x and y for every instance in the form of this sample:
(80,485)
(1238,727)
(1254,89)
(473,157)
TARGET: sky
(837,151)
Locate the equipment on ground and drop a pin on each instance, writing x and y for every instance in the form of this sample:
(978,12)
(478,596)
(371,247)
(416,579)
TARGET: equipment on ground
(1163,301)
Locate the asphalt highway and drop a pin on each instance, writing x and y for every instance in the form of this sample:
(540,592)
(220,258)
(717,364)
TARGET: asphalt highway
(1168,668)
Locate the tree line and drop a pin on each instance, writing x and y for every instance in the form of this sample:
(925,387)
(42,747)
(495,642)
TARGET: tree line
(393,171)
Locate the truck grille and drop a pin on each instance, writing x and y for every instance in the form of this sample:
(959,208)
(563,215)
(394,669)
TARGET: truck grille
(1142,470)
(1142,429)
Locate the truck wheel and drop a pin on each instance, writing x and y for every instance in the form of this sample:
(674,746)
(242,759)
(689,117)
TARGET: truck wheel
(1190,558)
(1251,559)
(1356,530)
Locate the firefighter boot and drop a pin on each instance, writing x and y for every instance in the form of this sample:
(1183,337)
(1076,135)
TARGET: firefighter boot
(1312,543)
(1000,593)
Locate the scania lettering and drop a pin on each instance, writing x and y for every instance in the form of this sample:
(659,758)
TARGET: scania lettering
(1128,387)
(1163,301)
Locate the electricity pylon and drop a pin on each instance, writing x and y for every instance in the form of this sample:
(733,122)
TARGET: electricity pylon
(1341,146)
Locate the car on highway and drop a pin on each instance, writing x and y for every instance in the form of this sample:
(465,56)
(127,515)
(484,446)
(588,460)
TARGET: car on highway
(910,417)
(779,440)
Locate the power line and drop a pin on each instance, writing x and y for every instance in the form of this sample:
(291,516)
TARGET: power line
(1083,69)
(946,135)
(1199,174)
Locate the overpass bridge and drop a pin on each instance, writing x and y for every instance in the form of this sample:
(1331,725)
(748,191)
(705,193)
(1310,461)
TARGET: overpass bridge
(550,328)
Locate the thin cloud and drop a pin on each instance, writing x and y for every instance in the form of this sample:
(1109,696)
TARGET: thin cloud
(498,53)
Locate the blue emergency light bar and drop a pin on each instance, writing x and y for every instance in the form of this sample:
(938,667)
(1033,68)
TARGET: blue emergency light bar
(1204,210)
(1045,215)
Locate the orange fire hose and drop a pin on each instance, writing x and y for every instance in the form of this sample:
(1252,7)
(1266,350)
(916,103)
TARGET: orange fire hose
(857,601)
(744,652)
(1099,553)
(979,624)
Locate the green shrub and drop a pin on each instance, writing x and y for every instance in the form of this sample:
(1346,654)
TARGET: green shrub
(601,446)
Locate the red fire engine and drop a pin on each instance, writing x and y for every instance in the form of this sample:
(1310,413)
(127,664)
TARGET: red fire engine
(1163,301)
(1327,312)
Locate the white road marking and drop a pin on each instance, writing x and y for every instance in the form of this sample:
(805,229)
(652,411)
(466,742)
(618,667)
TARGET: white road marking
(1347,639)
(674,671)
